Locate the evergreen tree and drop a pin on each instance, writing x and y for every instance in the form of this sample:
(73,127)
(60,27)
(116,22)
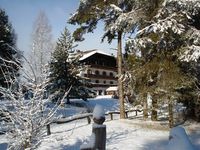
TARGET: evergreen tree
(172,33)
(9,55)
(120,17)
(114,14)
(65,69)
(173,28)
(162,26)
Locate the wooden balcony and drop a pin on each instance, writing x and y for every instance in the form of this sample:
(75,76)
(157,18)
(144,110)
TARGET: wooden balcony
(102,85)
(94,76)
(103,67)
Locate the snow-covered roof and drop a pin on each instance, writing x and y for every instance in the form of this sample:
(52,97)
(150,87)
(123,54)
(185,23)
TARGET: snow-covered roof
(112,88)
(86,55)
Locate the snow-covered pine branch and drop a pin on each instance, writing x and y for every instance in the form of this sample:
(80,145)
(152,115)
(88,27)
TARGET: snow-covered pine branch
(174,18)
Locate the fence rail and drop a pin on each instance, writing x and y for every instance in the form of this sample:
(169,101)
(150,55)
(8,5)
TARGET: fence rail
(126,113)
(75,117)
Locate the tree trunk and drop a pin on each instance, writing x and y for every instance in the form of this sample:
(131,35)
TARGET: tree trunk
(48,129)
(170,111)
(145,107)
(120,84)
(154,116)
(197,109)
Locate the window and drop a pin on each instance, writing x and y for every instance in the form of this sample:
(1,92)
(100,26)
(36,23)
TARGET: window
(104,92)
(111,82)
(97,81)
(100,92)
(111,74)
(104,73)
(89,71)
(97,72)
(104,82)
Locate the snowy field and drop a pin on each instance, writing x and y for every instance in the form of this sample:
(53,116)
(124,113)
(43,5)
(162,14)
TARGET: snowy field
(121,134)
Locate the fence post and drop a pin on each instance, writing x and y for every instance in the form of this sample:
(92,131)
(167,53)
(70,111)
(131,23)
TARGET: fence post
(126,114)
(48,130)
(111,116)
(88,119)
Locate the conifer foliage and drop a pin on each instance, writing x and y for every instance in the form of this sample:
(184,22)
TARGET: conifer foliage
(165,44)
(8,53)
(65,68)
(166,41)
(110,12)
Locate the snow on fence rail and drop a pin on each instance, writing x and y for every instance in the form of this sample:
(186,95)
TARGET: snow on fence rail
(70,119)
(126,113)
(75,117)
(88,117)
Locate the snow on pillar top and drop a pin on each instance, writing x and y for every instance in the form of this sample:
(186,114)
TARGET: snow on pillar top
(98,114)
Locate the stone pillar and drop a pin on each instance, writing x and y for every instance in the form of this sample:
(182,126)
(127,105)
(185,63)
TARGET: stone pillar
(98,131)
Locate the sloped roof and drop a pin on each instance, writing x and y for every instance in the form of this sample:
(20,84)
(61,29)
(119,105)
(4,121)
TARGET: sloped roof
(90,53)
(112,88)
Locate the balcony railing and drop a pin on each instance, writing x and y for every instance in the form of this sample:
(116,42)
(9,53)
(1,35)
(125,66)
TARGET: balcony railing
(95,76)
(103,67)
(102,85)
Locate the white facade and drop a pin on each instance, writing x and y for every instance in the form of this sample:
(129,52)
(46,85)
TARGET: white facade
(101,71)
(103,77)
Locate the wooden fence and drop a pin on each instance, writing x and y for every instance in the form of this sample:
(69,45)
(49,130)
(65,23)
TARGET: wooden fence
(70,119)
(88,117)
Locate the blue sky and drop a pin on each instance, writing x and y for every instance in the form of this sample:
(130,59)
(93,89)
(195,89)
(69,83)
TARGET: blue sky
(23,13)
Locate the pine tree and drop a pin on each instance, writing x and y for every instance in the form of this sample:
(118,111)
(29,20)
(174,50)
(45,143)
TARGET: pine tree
(64,68)
(174,27)
(118,18)
(163,28)
(173,31)
(9,55)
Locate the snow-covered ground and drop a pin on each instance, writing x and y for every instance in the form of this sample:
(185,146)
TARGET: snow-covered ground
(121,134)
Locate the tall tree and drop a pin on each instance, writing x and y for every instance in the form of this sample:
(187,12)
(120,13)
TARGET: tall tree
(65,69)
(173,31)
(9,55)
(42,45)
(118,18)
